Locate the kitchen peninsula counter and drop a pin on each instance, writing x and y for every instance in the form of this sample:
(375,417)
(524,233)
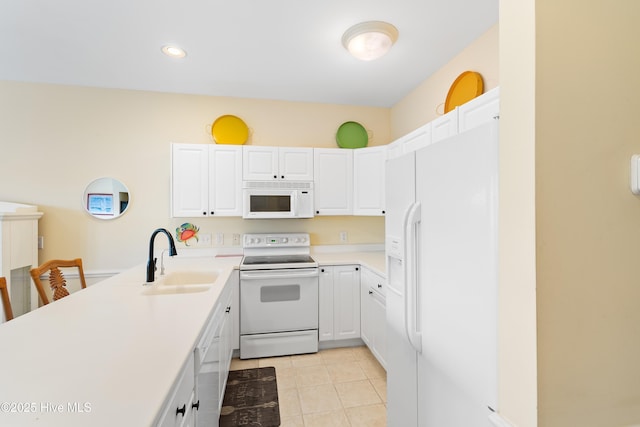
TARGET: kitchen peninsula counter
(106,355)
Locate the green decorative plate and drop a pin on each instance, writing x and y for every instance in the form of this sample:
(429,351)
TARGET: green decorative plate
(352,135)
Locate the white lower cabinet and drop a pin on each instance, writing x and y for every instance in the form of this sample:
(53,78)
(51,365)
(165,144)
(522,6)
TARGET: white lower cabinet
(178,412)
(373,314)
(339,302)
(197,397)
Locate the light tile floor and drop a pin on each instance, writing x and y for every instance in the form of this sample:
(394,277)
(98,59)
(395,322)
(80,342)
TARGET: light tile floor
(335,387)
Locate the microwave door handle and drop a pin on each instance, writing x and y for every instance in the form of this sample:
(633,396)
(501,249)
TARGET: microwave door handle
(294,202)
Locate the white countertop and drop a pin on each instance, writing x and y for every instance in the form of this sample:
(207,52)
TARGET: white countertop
(108,349)
(112,351)
(375,260)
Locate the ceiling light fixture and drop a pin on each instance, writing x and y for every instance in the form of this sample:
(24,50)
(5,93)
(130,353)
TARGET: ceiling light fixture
(174,51)
(370,40)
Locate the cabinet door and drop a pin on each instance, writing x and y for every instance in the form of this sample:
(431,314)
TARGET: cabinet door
(377,313)
(417,139)
(333,171)
(368,180)
(480,110)
(259,163)
(444,126)
(346,302)
(189,180)
(366,325)
(225,180)
(180,405)
(325,304)
(295,164)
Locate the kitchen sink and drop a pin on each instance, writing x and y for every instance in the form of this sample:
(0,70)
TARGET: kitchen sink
(181,282)
(188,278)
(175,289)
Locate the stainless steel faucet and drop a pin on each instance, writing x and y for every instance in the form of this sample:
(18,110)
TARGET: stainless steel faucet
(151,263)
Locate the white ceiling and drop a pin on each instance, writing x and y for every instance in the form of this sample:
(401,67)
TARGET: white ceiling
(271,49)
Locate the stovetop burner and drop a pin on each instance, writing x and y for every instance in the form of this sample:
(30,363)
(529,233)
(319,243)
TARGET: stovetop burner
(277,259)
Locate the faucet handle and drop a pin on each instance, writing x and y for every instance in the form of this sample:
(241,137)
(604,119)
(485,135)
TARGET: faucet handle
(155,266)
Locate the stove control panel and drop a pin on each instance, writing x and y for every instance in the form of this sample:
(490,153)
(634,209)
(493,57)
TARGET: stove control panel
(276,240)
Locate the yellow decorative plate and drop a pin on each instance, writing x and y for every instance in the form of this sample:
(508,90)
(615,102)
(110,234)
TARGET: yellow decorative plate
(467,86)
(229,129)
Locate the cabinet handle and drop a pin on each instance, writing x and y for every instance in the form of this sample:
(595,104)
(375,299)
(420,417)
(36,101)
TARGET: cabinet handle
(227,310)
(379,285)
(370,292)
(182,410)
(196,405)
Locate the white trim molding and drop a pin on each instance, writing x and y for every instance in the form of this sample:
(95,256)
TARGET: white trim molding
(498,421)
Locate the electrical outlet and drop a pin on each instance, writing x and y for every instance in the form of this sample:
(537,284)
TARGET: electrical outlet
(236,239)
(205,239)
(343,236)
(219,239)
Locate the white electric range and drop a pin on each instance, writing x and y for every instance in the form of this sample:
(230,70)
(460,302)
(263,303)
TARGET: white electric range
(278,296)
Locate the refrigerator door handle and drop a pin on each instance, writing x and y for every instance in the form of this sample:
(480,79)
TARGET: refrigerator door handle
(411,220)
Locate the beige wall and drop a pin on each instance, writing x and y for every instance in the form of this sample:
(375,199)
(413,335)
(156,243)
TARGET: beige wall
(588,222)
(56,139)
(426,102)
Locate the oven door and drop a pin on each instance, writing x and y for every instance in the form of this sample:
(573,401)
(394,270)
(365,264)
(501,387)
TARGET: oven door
(278,300)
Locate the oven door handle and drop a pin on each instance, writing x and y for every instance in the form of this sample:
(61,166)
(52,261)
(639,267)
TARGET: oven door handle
(273,274)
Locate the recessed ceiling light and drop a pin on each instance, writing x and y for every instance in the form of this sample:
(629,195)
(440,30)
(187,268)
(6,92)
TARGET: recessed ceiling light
(174,51)
(370,40)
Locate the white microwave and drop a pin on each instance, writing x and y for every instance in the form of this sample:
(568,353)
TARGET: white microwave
(277,199)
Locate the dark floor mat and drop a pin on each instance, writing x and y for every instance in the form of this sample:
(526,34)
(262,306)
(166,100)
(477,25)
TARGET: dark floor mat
(251,399)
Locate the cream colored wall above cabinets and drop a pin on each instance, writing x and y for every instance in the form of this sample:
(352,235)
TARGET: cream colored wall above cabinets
(426,102)
(55,139)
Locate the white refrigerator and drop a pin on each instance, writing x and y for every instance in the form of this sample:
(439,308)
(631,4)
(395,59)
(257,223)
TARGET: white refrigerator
(441,246)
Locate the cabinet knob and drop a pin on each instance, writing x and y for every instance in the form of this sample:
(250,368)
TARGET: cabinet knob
(379,285)
(212,212)
(357,268)
(275,176)
(182,410)
(196,405)
(383,212)
(204,213)
(370,292)
(282,177)
(322,270)
(228,310)
(317,212)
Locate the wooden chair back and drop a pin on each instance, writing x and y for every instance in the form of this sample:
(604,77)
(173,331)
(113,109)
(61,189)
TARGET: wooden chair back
(6,302)
(57,282)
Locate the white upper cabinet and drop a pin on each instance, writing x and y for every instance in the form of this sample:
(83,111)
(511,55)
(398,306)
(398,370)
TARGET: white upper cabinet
(368,180)
(445,126)
(189,180)
(480,110)
(225,183)
(277,163)
(412,141)
(206,180)
(333,176)
(296,164)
